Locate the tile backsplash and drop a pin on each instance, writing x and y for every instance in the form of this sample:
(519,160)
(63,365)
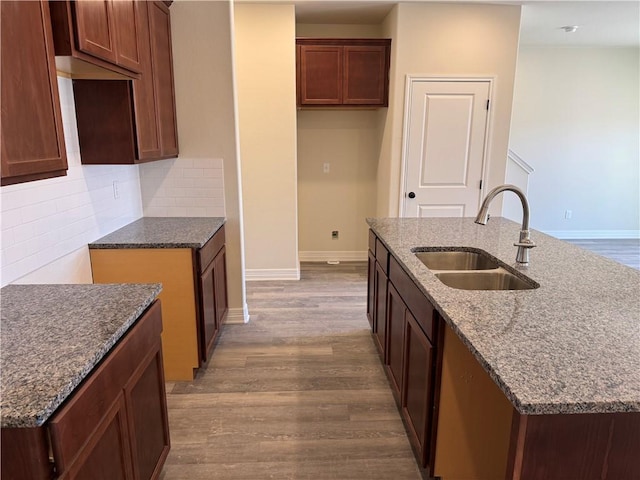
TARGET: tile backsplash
(183,187)
(45,220)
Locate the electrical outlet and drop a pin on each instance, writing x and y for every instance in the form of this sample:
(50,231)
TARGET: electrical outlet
(116,193)
(568,214)
(326,168)
(334,234)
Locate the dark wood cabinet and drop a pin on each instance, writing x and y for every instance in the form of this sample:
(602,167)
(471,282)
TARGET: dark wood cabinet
(213,304)
(33,146)
(114,426)
(408,342)
(98,35)
(343,72)
(127,122)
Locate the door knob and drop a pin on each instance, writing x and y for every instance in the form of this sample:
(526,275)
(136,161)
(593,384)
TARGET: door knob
(411,195)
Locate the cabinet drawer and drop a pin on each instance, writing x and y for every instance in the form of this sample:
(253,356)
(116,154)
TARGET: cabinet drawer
(210,249)
(382,256)
(372,241)
(416,301)
(74,424)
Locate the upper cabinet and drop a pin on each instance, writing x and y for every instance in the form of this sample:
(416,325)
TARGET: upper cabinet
(98,38)
(126,122)
(342,72)
(33,145)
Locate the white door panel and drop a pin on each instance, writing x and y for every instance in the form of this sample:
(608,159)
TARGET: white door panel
(444,147)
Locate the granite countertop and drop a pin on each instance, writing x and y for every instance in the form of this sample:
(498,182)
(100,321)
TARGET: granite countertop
(570,346)
(162,232)
(51,338)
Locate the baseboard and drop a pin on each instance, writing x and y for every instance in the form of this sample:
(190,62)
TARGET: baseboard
(593,234)
(254,274)
(325,256)
(237,316)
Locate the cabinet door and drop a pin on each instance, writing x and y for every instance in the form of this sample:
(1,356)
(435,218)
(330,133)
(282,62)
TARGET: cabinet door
(320,74)
(365,72)
(380,316)
(396,311)
(162,61)
(107,455)
(95,28)
(32,137)
(208,309)
(147,411)
(128,30)
(371,287)
(220,286)
(417,397)
(144,95)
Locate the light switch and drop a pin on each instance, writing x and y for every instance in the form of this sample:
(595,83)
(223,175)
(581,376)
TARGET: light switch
(326,168)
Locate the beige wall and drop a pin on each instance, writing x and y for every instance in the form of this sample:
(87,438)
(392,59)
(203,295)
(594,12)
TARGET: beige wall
(576,122)
(203,69)
(448,40)
(349,140)
(265,76)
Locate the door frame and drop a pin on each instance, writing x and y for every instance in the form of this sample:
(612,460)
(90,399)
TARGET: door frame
(408,90)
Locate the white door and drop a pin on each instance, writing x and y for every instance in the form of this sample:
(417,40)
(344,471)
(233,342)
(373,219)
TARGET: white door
(445,132)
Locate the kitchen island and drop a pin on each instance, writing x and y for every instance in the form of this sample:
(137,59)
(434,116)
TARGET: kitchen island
(82,381)
(187,255)
(560,359)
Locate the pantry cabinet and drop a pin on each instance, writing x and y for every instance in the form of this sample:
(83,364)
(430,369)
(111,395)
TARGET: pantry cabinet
(33,145)
(128,122)
(342,72)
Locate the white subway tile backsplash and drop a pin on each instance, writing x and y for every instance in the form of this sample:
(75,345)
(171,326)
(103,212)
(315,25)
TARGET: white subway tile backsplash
(45,220)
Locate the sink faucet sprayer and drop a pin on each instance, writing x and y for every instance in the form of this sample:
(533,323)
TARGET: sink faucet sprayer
(524,243)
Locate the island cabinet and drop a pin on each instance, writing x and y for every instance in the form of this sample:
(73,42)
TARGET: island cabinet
(377,285)
(113,426)
(408,344)
(194,294)
(98,36)
(128,122)
(342,72)
(33,146)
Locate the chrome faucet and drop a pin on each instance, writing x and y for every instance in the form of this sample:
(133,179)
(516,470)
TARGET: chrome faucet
(525,243)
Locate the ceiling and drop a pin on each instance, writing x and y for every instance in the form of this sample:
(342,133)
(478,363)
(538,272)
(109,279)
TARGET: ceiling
(600,23)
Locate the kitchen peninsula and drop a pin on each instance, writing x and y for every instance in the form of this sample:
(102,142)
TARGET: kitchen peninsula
(540,383)
(187,255)
(82,382)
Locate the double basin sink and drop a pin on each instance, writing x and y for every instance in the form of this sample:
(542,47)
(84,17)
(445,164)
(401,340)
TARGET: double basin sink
(471,269)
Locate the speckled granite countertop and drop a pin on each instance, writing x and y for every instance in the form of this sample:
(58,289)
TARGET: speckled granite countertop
(162,232)
(570,346)
(53,335)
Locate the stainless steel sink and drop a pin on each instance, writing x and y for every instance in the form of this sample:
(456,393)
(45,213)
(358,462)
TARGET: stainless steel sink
(456,260)
(498,279)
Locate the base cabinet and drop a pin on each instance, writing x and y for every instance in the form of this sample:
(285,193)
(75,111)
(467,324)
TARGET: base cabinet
(114,426)
(194,295)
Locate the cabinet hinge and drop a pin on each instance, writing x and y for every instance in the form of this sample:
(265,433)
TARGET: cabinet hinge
(488,104)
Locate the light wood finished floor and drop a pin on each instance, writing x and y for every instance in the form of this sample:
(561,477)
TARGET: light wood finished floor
(298,393)
(625,251)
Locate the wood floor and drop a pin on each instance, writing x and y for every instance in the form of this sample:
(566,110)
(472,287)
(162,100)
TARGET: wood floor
(298,393)
(625,251)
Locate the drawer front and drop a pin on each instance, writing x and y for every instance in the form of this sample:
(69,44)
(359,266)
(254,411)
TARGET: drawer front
(382,256)
(416,301)
(75,423)
(372,241)
(210,249)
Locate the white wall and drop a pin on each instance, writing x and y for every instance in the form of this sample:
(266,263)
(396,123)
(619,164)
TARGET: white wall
(53,220)
(576,122)
(266,86)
